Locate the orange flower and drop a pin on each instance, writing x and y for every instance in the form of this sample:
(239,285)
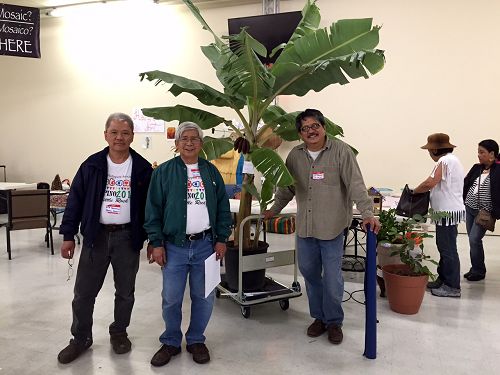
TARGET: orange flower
(415,237)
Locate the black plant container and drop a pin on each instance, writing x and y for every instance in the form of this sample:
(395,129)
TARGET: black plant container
(252,280)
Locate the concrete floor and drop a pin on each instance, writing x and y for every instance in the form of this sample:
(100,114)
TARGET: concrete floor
(447,336)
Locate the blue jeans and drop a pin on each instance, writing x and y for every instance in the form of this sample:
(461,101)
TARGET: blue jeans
(181,262)
(476,234)
(320,262)
(449,263)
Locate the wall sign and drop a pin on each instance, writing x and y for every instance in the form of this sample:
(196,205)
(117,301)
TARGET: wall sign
(144,124)
(19,31)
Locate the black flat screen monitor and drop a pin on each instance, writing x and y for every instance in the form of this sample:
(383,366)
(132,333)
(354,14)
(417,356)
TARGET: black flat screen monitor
(271,29)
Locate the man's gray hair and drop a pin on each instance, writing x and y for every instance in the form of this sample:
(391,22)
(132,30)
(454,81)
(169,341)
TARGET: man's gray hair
(118,116)
(188,125)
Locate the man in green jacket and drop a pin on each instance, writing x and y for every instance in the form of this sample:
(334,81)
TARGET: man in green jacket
(187,218)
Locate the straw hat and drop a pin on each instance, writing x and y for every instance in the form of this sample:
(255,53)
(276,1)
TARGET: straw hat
(438,141)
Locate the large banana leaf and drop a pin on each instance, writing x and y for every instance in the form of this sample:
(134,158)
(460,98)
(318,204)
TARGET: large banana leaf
(219,58)
(322,58)
(240,72)
(270,164)
(265,197)
(244,73)
(343,38)
(196,12)
(215,147)
(182,113)
(310,21)
(292,79)
(204,93)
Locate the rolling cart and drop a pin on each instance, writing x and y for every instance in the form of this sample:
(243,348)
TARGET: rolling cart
(272,290)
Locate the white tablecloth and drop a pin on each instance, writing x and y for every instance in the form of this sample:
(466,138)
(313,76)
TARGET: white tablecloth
(290,208)
(17,186)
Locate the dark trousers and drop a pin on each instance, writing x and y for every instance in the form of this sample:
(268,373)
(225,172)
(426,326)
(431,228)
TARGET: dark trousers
(110,247)
(449,263)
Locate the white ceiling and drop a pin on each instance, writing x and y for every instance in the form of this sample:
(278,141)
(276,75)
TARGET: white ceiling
(54,3)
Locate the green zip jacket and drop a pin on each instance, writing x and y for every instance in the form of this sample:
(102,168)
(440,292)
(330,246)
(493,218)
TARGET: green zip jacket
(166,205)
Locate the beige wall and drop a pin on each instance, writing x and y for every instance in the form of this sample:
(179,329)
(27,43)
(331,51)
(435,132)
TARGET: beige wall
(441,75)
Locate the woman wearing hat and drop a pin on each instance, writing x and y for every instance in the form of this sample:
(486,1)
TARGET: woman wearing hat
(486,175)
(446,184)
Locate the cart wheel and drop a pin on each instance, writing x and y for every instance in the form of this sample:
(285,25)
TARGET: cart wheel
(217,293)
(284,304)
(245,311)
(296,286)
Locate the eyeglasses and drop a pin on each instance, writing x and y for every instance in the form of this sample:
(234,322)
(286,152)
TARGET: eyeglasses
(70,269)
(194,140)
(115,134)
(306,128)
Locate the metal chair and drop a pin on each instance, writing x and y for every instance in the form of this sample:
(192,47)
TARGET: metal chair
(28,209)
(354,262)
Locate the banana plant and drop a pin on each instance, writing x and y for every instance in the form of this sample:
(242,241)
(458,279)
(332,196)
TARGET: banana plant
(312,59)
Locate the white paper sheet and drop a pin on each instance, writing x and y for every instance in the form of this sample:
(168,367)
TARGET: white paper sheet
(212,274)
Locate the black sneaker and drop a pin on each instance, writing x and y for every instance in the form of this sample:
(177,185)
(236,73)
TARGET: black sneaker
(467,274)
(120,342)
(163,356)
(73,351)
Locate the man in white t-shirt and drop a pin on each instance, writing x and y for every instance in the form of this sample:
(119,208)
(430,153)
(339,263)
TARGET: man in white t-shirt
(187,219)
(106,204)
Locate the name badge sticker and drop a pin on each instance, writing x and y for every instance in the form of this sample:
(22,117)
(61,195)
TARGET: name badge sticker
(318,175)
(113,208)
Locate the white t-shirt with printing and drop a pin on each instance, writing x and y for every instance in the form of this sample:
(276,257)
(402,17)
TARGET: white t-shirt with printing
(115,208)
(197,219)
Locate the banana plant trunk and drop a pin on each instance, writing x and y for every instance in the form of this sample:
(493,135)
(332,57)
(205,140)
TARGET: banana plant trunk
(244,211)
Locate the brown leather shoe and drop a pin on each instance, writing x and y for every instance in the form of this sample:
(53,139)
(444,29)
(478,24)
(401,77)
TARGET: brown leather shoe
(199,351)
(163,356)
(317,328)
(335,335)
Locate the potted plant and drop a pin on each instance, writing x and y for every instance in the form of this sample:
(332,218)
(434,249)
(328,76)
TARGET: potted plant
(312,59)
(401,257)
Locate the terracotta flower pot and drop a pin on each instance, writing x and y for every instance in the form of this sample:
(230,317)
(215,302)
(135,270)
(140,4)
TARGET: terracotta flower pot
(405,293)
(384,251)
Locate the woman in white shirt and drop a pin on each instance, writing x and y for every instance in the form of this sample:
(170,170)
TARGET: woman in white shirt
(446,186)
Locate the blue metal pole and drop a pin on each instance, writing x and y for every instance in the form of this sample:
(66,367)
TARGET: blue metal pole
(370,296)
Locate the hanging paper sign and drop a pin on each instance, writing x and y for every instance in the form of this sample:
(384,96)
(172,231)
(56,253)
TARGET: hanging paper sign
(145,124)
(19,31)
